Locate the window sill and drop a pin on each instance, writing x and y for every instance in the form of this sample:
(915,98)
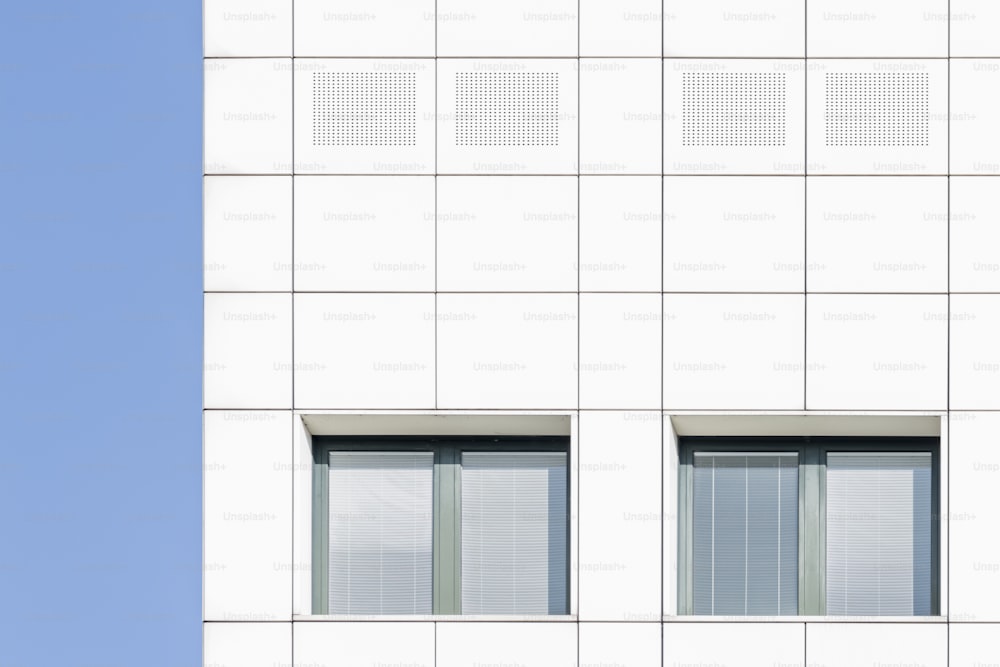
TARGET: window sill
(432,618)
(805,619)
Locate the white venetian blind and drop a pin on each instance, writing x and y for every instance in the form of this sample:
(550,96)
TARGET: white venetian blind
(878,534)
(381,532)
(514,533)
(745,533)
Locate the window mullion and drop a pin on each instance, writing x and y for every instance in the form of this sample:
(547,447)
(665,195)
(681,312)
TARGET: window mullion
(447,513)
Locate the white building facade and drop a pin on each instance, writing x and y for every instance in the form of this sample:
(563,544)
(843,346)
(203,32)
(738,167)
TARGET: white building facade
(599,333)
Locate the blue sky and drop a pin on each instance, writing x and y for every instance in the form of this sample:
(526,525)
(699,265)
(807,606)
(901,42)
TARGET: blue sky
(100,334)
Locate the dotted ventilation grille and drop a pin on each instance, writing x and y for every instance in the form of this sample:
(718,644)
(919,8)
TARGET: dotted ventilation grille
(888,109)
(364,108)
(507,109)
(733,109)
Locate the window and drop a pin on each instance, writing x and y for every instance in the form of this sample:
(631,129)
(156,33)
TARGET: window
(445,525)
(808,526)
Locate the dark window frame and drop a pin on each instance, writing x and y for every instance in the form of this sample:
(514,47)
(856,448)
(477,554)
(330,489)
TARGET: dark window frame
(447,450)
(812,451)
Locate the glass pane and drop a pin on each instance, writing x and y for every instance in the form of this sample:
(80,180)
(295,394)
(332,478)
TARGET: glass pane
(878,534)
(381,532)
(745,534)
(514,550)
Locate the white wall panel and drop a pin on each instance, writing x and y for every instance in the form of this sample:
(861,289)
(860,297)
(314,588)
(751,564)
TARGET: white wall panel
(248,116)
(513,28)
(620,524)
(853,644)
(620,644)
(505,115)
(734,28)
(364,351)
(364,116)
(974,477)
(877,117)
(710,222)
(975,126)
(248,350)
(975,234)
(507,351)
(878,28)
(974,27)
(359,28)
(620,351)
(975,355)
(733,116)
(248,233)
(878,234)
(364,234)
(973,645)
(245,28)
(622,28)
(733,644)
(522,644)
(620,116)
(248,516)
(723,351)
(515,234)
(877,352)
(351,644)
(620,233)
(247,644)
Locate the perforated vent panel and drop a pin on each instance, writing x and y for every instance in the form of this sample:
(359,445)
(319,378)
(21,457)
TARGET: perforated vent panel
(506,109)
(733,109)
(887,109)
(364,109)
